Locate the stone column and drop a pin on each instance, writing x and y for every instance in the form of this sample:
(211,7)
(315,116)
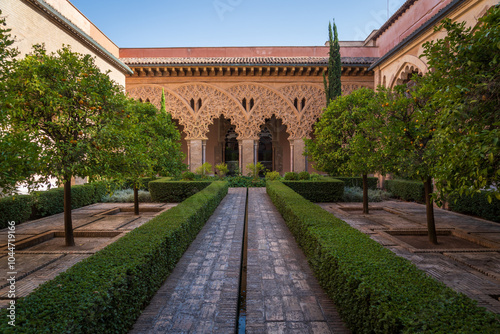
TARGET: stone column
(298,160)
(195,152)
(247,153)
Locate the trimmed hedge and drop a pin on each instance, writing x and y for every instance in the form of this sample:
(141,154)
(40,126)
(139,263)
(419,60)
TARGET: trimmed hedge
(165,190)
(327,190)
(51,202)
(476,205)
(15,208)
(357,181)
(406,190)
(375,290)
(106,292)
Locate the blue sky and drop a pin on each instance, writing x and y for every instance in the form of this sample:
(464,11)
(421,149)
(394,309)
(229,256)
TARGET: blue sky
(197,23)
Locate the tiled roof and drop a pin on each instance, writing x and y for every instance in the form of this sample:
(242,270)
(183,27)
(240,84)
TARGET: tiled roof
(262,61)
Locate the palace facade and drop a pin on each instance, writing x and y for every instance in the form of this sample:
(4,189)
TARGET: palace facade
(244,105)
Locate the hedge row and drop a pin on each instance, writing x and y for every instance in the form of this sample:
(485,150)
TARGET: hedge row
(45,203)
(476,205)
(165,190)
(327,190)
(106,292)
(375,290)
(406,190)
(357,181)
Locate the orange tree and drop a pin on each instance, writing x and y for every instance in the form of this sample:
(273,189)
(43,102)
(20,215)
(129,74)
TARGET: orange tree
(345,138)
(149,145)
(408,125)
(63,102)
(465,81)
(19,154)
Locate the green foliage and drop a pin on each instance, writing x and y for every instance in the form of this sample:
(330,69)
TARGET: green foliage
(167,191)
(374,290)
(292,176)
(204,169)
(15,208)
(188,176)
(126,196)
(464,82)
(346,136)
(51,202)
(142,182)
(245,181)
(355,194)
(357,181)
(106,292)
(304,175)
(406,190)
(222,169)
(333,86)
(255,169)
(318,191)
(273,176)
(476,204)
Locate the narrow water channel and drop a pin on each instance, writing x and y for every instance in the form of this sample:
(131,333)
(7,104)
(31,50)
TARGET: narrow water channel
(242,304)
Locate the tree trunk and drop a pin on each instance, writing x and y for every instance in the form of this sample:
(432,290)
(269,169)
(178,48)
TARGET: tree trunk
(136,200)
(68,223)
(365,194)
(431,227)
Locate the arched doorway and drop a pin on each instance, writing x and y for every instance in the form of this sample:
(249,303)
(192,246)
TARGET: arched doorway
(265,149)
(231,151)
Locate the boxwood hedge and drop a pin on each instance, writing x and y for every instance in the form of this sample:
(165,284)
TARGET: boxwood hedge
(324,190)
(476,205)
(357,181)
(106,292)
(15,208)
(375,290)
(168,191)
(406,190)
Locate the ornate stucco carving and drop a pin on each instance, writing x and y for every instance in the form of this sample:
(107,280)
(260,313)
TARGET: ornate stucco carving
(247,105)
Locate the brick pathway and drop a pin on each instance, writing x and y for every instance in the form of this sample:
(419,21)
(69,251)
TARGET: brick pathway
(201,294)
(283,296)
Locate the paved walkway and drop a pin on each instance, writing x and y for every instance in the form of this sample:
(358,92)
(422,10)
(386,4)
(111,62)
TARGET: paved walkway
(283,296)
(201,294)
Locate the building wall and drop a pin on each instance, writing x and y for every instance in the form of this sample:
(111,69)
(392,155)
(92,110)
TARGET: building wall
(395,69)
(30,26)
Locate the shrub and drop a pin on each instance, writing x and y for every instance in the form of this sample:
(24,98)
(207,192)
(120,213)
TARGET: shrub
(304,175)
(51,202)
(245,181)
(476,205)
(375,290)
(355,194)
(291,176)
(315,176)
(272,176)
(204,170)
(126,196)
(222,169)
(318,191)
(358,181)
(106,292)
(167,191)
(188,176)
(254,170)
(406,190)
(15,208)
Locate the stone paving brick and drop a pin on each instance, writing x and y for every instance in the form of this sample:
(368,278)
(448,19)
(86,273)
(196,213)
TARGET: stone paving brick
(201,294)
(283,296)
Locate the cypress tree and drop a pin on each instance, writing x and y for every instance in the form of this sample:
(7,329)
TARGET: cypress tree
(333,86)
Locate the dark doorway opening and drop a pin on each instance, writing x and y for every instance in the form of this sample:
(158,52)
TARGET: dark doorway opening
(231,151)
